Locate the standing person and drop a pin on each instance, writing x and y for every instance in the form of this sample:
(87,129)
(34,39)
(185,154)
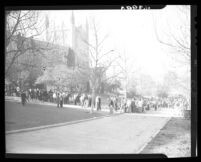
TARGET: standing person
(30,97)
(140,102)
(155,105)
(37,94)
(43,93)
(115,103)
(17,91)
(90,101)
(27,95)
(51,96)
(111,104)
(63,97)
(58,99)
(132,105)
(32,94)
(40,95)
(143,105)
(76,99)
(54,97)
(124,106)
(121,104)
(23,98)
(61,100)
(82,100)
(96,103)
(86,101)
(128,105)
(99,103)
(68,98)
(148,104)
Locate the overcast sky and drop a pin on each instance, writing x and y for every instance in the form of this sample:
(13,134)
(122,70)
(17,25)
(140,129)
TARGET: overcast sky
(131,31)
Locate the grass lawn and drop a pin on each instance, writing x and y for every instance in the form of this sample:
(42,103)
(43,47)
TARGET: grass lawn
(174,140)
(34,115)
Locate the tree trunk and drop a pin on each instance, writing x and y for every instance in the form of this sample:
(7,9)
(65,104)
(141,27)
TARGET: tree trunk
(93,98)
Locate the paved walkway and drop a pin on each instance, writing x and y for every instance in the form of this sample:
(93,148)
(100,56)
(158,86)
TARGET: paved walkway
(125,133)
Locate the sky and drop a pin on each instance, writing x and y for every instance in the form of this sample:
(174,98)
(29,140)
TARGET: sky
(132,32)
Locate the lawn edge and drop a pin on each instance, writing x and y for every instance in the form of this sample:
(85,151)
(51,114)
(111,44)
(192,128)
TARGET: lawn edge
(57,125)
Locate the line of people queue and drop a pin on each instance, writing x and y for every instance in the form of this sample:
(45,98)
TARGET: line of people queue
(84,100)
(114,102)
(60,98)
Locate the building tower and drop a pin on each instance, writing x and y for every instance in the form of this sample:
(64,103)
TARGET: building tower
(73,30)
(47,27)
(73,43)
(87,38)
(79,35)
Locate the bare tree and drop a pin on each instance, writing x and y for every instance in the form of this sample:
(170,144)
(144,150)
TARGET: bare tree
(100,61)
(123,64)
(21,28)
(127,69)
(177,38)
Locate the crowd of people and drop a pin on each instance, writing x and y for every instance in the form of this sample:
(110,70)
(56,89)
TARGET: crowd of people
(54,96)
(141,104)
(135,104)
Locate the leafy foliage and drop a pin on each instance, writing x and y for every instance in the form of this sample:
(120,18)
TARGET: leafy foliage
(61,76)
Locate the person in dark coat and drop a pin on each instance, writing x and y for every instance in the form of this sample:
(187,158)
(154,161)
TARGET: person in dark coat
(50,95)
(58,99)
(132,105)
(111,104)
(61,100)
(23,98)
(99,103)
(77,99)
(68,98)
(90,100)
(37,94)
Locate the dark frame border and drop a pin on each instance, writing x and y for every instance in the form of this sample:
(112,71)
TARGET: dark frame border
(194,114)
(194,111)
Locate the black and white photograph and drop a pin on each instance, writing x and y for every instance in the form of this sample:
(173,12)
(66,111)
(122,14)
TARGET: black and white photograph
(98,81)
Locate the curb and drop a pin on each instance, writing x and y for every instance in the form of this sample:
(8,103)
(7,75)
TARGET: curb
(58,125)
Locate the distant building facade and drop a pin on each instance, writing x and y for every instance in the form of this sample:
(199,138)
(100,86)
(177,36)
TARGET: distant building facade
(55,53)
(73,37)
